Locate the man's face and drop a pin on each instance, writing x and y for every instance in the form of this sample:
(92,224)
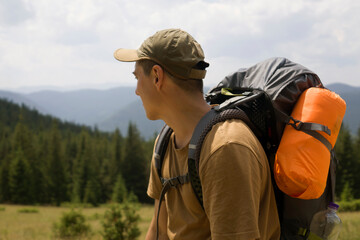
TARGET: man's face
(146,91)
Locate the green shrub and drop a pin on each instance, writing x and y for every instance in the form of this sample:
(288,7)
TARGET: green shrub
(28,210)
(347,206)
(121,222)
(119,190)
(76,205)
(95,216)
(2,209)
(346,194)
(72,225)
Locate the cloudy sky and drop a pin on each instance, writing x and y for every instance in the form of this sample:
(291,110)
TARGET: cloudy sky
(69,44)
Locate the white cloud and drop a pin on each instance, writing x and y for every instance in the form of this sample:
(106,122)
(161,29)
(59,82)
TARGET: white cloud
(65,43)
(10,17)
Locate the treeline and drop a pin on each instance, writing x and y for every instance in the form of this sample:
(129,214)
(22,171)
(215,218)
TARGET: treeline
(46,161)
(347,151)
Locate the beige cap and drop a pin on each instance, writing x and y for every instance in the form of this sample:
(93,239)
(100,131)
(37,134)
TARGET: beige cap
(174,49)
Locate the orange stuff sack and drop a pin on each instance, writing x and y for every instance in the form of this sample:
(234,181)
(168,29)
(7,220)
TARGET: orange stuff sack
(302,162)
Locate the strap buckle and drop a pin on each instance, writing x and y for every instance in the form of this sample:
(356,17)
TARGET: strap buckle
(297,124)
(174,182)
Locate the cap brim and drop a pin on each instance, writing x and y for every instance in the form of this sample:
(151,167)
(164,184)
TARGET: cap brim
(126,55)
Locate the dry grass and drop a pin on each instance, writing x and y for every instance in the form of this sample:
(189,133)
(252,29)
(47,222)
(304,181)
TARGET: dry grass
(350,225)
(15,225)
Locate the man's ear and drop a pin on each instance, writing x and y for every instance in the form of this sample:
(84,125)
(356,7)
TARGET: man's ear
(158,76)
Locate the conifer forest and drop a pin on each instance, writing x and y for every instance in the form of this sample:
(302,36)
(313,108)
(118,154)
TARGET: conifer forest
(47,161)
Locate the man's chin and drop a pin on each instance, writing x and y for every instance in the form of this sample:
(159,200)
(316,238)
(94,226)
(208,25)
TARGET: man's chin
(151,117)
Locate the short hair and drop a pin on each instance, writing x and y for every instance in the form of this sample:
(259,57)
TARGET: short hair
(189,85)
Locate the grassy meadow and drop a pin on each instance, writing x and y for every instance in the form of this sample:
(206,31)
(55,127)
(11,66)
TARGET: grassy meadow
(350,225)
(35,222)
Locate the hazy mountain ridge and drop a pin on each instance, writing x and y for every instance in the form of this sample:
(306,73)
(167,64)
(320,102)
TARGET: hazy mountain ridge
(342,88)
(87,106)
(116,107)
(351,95)
(19,99)
(107,109)
(134,112)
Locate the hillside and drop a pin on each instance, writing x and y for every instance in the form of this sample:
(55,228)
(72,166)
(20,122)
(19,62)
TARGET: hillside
(116,107)
(351,95)
(10,114)
(19,99)
(134,113)
(341,88)
(87,106)
(44,160)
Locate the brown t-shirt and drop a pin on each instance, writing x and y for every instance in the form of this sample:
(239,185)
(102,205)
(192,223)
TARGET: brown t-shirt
(239,202)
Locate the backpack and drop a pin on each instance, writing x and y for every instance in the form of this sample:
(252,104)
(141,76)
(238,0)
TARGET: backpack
(263,97)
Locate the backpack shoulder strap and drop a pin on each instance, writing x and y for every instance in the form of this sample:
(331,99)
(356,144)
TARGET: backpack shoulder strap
(204,126)
(161,146)
(159,154)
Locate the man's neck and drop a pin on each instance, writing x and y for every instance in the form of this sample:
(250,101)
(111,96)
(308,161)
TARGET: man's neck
(184,117)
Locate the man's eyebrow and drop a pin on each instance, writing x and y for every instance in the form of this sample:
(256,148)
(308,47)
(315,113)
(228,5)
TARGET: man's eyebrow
(134,73)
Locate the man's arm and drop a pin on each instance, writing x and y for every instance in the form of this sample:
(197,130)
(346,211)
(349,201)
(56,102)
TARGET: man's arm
(151,234)
(235,215)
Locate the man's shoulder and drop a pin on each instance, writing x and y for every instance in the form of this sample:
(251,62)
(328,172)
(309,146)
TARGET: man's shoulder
(231,132)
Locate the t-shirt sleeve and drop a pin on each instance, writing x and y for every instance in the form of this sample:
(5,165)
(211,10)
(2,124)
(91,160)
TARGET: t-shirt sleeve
(232,178)
(155,186)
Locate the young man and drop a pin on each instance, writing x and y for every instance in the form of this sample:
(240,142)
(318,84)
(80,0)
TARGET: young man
(238,199)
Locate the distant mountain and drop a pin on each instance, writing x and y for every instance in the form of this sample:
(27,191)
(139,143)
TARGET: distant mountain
(10,116)
(116,107)
(342,88)
(86,106)
(351,95)
(21,99)
(107,109)
(135,113)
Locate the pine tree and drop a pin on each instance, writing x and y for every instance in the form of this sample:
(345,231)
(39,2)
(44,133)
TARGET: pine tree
(5,147)
(345,168)
(5,151)
(346,194)
(106,182)
(23,156)
(103,157)
(134,167)
(23,139)
(116,160)
(356,188)
(119,193)
(19,179)
(71,148)
(92,192)
(149,147)
(80,168)
(42,149)
(110,163)
(86,186)
(55,171)
(4,182)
